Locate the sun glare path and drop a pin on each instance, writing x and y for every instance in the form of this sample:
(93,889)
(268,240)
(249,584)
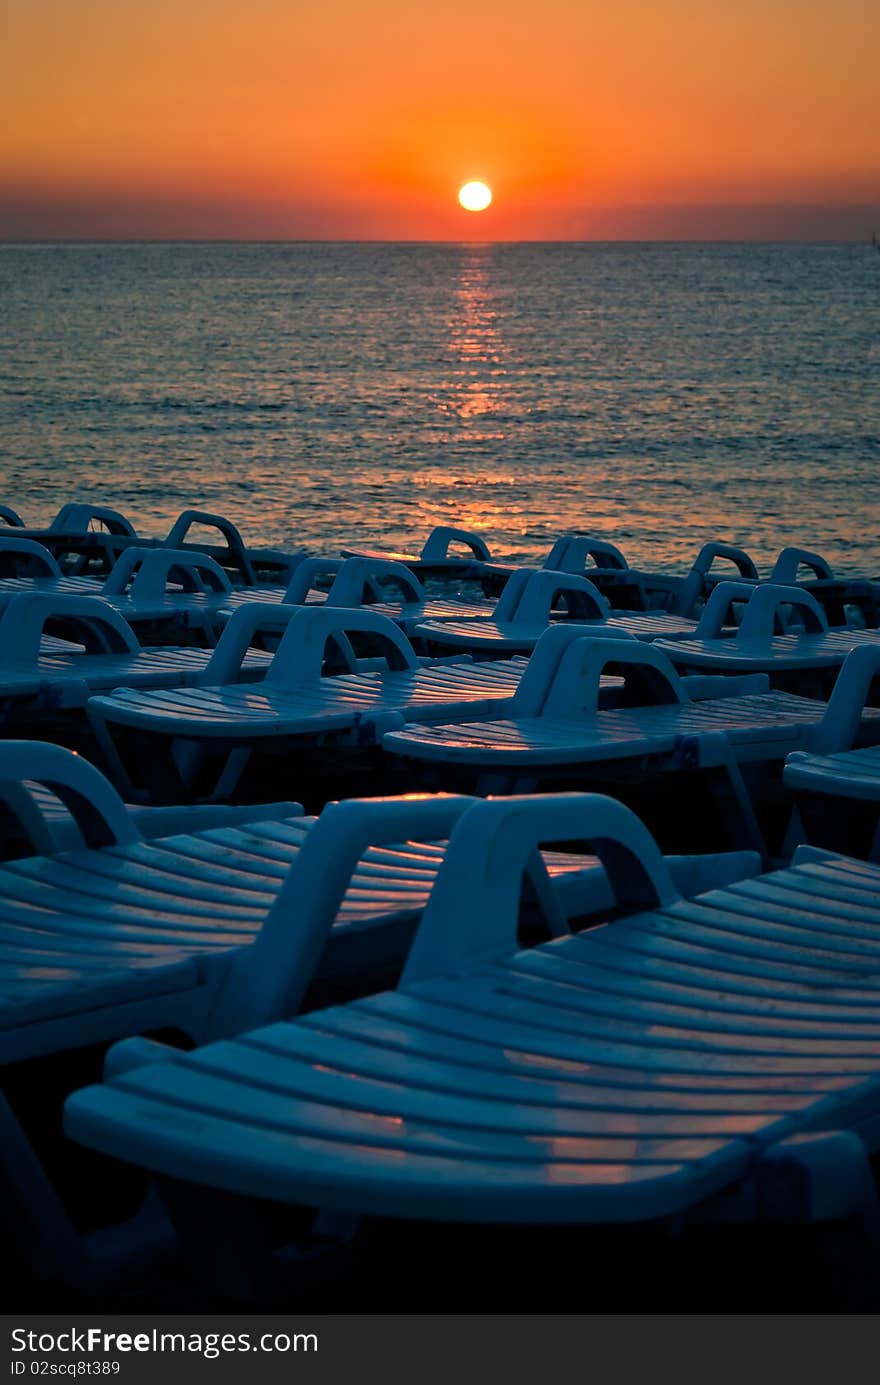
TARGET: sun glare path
(475,196)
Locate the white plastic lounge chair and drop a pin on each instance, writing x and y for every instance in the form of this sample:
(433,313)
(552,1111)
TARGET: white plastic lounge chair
(178,744)
(211,932)
(434,559)
(161,742)
(526,607)
(152,588)
(42,674)
(837,596)
(366,581)
(249,566)
(565,733)
(836,788)
(93,534)
(26,565)
(783,633)
(695,1050)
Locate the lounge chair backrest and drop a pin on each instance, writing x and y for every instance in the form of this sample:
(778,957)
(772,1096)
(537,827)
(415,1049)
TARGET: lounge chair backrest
(361,580)
(471,917)
(235,545)
(305,572)
(300,658)
(76,519)
(96,807)
(574,691)
(11,517)
(771,606)
(840,724)
(577,549)
(540,672)
(543,590)
(718,609)
(508,601)
(87,620)
(693,586)
(149,571)
(18,554)
(268,980)
(791,560)
(241,629)
(436,546)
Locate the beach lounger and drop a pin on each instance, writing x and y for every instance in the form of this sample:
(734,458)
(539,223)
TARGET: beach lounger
(434,559)
(11,517)
(161,743)
(836,789)
(42,674)
(210,932)
(86,536)
(783,632)
(565,733)
(837,798)
(247,565)
(529,602)
(153,588)
(180,744)
(718,1056)
(370,582)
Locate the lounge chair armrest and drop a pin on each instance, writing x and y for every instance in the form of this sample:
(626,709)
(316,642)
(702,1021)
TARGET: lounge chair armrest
(39,559)
(471,917)
(137,1053)
(97,809)
(693,875)
(701,687)
(436,546)
(11,517)
(87,620)
(172,821)
(271,977)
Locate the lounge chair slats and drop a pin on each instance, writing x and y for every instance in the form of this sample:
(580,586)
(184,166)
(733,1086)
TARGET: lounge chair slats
(657,1054)
(767,723)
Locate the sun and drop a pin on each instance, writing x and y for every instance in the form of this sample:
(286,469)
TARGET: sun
(475,196)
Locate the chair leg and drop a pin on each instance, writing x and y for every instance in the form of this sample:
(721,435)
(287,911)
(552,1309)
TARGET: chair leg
(49,1243)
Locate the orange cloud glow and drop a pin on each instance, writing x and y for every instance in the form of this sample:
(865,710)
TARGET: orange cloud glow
(338,118)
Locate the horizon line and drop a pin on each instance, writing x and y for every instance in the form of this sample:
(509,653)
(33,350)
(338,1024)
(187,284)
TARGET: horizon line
(397,240)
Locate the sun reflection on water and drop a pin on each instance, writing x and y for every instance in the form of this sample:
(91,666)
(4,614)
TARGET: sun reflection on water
(476,347)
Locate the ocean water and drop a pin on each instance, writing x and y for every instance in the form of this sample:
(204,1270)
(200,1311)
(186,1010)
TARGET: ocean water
(320,394)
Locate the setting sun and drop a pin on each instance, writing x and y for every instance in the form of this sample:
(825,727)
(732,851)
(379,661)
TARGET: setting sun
(475,196)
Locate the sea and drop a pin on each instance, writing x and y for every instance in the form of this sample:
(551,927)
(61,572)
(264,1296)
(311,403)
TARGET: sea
(322,394)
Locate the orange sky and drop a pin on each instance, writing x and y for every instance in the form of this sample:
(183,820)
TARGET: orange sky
(293,118)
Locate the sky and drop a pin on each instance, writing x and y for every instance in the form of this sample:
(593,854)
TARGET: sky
(349,119)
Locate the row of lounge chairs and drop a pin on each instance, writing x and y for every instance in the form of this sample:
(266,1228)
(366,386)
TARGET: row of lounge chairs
(581,1029)
(718,1032)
